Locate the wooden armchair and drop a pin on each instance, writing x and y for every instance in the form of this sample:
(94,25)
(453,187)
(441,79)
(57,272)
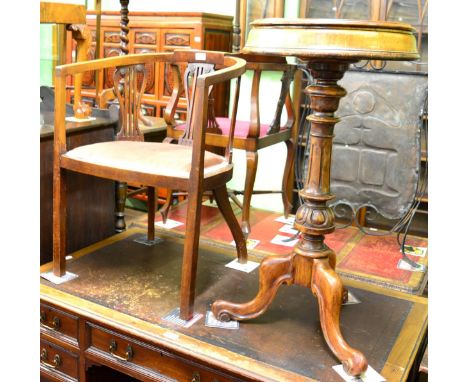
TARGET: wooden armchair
(129,159)
(251,135)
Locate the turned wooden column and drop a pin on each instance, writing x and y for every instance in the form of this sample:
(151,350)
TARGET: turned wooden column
(121,187)
(329,47)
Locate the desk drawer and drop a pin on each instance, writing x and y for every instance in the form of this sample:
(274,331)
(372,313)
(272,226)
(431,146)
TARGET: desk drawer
(57,322)
(131,355)
(58,362)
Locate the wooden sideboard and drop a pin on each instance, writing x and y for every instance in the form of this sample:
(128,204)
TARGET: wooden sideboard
(157,32)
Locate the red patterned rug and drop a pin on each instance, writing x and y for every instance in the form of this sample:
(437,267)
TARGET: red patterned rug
(373,259)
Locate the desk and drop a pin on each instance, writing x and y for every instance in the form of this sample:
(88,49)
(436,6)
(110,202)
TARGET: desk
(125,288)
(92,200)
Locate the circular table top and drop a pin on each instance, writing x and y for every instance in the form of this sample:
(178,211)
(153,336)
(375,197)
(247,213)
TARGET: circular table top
(333,38)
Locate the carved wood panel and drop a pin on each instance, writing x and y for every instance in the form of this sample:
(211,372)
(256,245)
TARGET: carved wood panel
(109,73)
(150,72)
(169,80)
(177,39)
(112,37)
(148,38)
(88,79)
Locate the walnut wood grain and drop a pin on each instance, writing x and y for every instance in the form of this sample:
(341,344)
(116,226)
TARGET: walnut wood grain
(329,46)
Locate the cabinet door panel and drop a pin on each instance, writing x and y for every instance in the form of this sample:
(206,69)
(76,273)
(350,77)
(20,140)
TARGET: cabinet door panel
(146,37)
(178,37)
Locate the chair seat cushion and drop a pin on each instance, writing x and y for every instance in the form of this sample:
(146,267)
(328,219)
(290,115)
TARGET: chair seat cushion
(147,157)
(241,130)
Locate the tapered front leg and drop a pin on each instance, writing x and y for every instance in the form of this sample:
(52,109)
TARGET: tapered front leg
(189,264)
(59,217)
(328,288)
(222,199)
(274,271)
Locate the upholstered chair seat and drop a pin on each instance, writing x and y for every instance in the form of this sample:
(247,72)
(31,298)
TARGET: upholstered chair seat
(151,158)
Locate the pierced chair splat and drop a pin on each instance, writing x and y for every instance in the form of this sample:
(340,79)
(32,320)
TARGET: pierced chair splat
(129,159)
(251,135)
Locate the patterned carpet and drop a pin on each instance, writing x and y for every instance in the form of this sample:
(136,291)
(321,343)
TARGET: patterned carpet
(373,259)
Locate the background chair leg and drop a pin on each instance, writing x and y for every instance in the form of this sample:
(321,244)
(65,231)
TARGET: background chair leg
(189,265)
(222,199)
(59,222)
(120,197)
(151,204)
(251,173)
(164,210)
(288,168)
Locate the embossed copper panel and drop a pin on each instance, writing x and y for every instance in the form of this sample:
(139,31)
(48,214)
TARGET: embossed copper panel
(376,150)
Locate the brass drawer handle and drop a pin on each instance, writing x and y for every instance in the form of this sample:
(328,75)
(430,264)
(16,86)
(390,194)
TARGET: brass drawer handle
(128,352)
(56,323)
(56,363)
(196,377)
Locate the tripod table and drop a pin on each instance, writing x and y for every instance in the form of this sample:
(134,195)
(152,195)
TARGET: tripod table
(328,46)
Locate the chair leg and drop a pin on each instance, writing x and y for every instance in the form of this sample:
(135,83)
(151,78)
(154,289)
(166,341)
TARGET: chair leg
(189,265)
(59,221)
(164,210)
(288,168)
(120,198)
(151,204)
(222,199)
(251,173)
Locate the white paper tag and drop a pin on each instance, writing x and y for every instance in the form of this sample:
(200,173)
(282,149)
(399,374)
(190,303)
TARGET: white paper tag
(403,265)
(289,220)
(209,203)
(212,322)
(197,38)
(369,376)
(73,119)
(415,251)
(247,267)
(280,240)
(172,336)
(174,317)
(200,56)
(250,243)
(58,280)
(352,299)
(288,229)
(169,224)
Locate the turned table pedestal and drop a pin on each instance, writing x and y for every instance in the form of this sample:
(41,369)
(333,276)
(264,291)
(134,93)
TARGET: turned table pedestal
(329,47)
